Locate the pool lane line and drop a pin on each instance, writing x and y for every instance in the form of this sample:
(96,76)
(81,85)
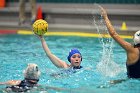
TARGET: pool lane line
(81,34)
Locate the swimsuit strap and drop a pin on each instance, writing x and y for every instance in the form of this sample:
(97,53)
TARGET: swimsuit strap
(32,81)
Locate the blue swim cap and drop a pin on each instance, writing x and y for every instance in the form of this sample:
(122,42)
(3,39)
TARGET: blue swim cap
(72,52)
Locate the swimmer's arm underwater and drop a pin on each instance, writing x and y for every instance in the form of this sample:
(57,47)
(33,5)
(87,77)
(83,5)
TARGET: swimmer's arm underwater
(55,60)
(127,46)
(11,82)
(117,81)
(55,88)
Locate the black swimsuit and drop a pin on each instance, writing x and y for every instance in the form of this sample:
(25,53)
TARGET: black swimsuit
(133,71)
(24,86)
(78,67)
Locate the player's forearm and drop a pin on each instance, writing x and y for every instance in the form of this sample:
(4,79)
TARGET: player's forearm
(11,82)
(107,22)
(51,56)
(45,46)
(111,29)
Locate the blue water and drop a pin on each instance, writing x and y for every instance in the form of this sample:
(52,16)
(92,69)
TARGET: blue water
(101,63)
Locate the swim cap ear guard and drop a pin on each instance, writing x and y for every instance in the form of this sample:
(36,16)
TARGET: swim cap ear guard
(72,52)
(136,39)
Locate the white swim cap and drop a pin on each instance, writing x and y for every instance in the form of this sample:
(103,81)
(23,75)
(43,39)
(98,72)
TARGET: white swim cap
(32,71)
(137,39)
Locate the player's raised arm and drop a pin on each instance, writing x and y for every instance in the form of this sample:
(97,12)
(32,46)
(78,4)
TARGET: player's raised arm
(40,27)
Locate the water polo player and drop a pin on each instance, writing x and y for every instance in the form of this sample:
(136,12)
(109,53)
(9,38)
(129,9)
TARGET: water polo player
(74,57)
(31,78)
(132,51)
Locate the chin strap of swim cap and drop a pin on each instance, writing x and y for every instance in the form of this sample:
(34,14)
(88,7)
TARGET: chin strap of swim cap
(72,52)
(136,39)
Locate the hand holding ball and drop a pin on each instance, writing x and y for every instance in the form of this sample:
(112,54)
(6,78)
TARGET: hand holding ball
(40,27)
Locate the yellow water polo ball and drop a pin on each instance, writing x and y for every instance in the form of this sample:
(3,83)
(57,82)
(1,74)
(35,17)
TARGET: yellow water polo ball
(40,27)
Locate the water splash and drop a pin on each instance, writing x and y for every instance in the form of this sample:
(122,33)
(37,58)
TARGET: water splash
(106,66)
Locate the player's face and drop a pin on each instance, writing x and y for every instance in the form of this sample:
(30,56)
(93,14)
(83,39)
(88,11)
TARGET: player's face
(75,59)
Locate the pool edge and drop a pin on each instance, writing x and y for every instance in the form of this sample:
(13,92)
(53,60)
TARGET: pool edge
(62,33)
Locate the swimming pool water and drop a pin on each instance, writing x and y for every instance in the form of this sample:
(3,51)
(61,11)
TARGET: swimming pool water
(101,65)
